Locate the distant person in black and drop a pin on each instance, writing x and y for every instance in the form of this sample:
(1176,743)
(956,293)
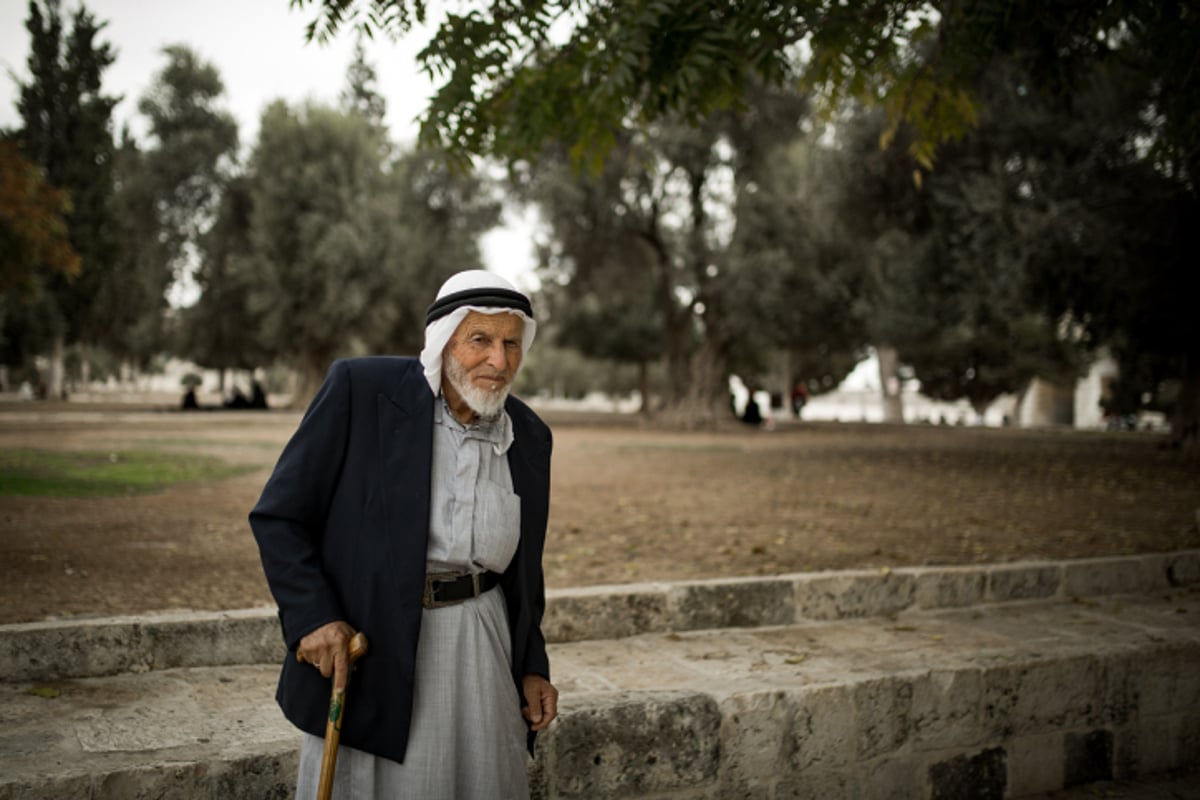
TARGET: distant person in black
(237,399)
(751,415)
(189,400)
(258,398)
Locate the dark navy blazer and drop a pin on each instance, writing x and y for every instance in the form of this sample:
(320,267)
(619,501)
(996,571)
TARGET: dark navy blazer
(342,528)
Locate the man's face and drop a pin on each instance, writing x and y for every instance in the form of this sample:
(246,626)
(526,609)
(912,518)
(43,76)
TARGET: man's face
(481,360)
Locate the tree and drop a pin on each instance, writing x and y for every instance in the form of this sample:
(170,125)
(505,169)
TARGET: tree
(344,253)
(790,281)
(224,329)
(318,244)
(134,295)
(607,270)
(168,192)
(360,94)
(970,319)
(192,145)
(509,86)
(624,253)
(692,244)
(33,242)
(513,80)
(1073,192)
(66,131)
(33,227)
(434,218)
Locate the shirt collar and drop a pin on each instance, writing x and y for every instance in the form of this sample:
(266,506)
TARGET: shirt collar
(498,431)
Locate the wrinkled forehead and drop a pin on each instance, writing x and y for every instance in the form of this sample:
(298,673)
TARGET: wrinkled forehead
(504,324)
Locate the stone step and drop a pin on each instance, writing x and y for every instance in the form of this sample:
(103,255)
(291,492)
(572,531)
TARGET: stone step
(989,699)
(80,648)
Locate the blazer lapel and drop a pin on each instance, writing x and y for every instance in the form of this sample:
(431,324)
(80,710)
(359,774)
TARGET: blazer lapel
(405,420)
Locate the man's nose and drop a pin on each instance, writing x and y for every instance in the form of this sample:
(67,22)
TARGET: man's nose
(497,357)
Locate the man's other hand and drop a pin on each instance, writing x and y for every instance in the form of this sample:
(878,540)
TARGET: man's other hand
(541,700)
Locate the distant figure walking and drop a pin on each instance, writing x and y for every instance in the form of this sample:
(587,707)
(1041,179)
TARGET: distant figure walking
(799,398)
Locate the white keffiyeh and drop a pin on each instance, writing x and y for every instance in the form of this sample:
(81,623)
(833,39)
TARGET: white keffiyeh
(439,331)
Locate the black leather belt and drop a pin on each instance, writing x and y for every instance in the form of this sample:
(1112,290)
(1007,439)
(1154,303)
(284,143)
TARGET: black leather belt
(448,588)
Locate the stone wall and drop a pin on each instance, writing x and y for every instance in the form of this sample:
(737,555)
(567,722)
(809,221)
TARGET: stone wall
(992,681)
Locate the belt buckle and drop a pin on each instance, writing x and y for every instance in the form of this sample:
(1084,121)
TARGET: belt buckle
(429,597)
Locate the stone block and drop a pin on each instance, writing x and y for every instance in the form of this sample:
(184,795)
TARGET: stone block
(1119,701)
(739,603)
(980,776)
(1188,739)
(891,779)
(1107,576)
(754,730)
(1125,753)
(605,612)
(1035,764)
(946,709)
(1167,681)
(216,640)
(263,775)
(60,649)
(853,594)
(1053,695)
(1087,757)
(884,713)
(955,587)
(732,790)
(538,768)
(635,744)
(1183,569)
(1152,745)
(49,788)
(823,737)
(56,650)
(1023,582)
(818,785)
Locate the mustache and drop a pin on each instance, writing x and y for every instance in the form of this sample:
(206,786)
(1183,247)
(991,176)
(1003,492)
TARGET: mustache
(487,373)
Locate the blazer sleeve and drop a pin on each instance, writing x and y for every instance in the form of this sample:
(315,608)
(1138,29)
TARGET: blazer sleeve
(288,520)
(525,586)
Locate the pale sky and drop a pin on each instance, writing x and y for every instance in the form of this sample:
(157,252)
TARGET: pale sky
(259,49)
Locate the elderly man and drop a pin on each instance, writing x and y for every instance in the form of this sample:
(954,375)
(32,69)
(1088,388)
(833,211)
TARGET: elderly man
(411,504)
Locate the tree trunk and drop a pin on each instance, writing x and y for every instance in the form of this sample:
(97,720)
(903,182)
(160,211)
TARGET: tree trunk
(889,385)
(643,383)
(675,320)
(1185,417)
(309,375)
(706,400)
(54,381)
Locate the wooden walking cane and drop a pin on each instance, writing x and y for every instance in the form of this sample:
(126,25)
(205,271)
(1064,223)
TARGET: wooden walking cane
(337,712)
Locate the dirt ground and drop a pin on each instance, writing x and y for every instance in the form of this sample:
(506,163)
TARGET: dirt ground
(629,503)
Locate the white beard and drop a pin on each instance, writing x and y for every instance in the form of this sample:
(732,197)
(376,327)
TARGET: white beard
(484,402)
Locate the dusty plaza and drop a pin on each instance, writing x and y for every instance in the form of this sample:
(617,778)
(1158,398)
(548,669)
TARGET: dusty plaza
(823,610)
(630,503)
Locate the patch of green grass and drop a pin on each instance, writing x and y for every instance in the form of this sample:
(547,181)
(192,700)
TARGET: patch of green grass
(47,473)
(213,442)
